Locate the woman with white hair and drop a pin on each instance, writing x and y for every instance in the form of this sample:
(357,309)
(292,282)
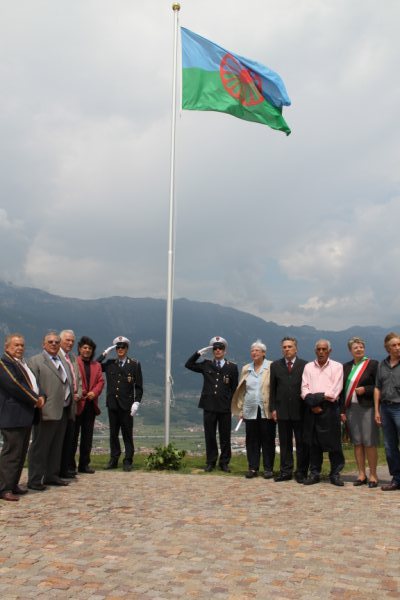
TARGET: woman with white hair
(251,402)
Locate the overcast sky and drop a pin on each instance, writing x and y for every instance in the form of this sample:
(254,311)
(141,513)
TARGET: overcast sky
(299,230)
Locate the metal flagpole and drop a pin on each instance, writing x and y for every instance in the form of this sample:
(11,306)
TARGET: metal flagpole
(171,241)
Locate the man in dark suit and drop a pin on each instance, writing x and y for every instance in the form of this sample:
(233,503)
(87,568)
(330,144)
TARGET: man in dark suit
(124,393)
(54,379)
(287,408)
(220,381)
(19,396)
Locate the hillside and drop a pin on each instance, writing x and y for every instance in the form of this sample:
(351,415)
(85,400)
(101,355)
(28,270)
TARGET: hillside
(33,312)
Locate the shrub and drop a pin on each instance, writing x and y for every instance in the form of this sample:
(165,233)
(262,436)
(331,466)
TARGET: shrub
(165,458)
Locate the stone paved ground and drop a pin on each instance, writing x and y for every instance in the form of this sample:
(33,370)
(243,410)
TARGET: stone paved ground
(169,536)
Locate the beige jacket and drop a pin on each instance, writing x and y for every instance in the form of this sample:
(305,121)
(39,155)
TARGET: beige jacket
(238,396)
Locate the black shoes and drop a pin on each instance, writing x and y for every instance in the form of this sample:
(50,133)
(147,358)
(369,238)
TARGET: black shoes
(251,474)
(225,468)
(19,490)
(283,478)
(209,468)
(68,475)
(57,481)
(311,480)
(127,467)
(358,482)
(86,470)
(111,465)
(300,478)
(336,480)
(38,487)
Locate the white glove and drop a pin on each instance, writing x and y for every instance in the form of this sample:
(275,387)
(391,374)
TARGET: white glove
(107,350)
(134,408)
(204,350)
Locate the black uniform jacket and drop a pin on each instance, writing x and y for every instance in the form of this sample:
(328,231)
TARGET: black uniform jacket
(323,429)
(17,399)
(124,384)
(367,380)
(218,385)
(285,389)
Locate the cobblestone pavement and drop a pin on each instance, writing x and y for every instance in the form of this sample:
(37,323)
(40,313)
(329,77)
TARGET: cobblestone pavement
(160,536)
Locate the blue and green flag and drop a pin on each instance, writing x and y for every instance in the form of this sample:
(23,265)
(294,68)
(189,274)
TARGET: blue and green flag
(215,79)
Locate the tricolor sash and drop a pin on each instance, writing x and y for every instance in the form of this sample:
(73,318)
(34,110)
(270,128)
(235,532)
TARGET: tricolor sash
(28,392)
(353,379)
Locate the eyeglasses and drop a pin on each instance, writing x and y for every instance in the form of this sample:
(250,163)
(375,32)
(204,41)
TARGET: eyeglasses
(52,342)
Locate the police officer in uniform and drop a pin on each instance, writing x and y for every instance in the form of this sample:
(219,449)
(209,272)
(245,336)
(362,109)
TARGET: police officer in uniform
(124,392)
(220,381)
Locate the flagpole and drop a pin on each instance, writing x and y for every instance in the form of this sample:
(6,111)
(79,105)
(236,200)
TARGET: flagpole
(171,240)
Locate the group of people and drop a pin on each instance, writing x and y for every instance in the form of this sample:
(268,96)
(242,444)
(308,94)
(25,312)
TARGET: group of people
(308,402)
(54,396)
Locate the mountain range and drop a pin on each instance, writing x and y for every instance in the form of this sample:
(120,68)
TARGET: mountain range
(33,312)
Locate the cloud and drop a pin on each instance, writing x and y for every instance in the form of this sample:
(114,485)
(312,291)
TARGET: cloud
(298,230)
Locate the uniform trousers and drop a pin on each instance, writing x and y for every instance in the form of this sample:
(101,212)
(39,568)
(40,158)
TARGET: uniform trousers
(260,437)
(12,457)
(121,420)
(44,457)
(287,428)
(211,420)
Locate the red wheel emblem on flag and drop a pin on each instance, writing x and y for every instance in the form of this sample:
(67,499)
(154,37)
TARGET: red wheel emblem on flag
(241,83)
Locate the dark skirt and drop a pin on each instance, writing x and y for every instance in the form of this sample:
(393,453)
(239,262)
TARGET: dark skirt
(361,424)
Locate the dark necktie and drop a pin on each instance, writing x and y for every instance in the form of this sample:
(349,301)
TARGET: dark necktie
(290,366)
(218,364)
(121,364)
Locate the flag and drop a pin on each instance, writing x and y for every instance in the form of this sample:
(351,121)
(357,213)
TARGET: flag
(215,79)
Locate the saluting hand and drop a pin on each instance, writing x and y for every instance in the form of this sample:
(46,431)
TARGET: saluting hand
(107,350)
(204,350)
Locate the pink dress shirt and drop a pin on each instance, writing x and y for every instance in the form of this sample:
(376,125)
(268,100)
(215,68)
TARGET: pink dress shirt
(327,379)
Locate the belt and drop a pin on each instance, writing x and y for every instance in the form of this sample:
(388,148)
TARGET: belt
(390,402)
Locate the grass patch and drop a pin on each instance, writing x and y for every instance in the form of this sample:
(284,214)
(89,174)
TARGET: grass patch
(195,463)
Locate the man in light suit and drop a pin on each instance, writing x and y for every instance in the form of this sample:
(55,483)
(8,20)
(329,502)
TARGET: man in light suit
(67,466)
(54,379)
(287,408)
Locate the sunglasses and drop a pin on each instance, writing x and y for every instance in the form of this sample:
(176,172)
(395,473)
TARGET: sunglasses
(121,345)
